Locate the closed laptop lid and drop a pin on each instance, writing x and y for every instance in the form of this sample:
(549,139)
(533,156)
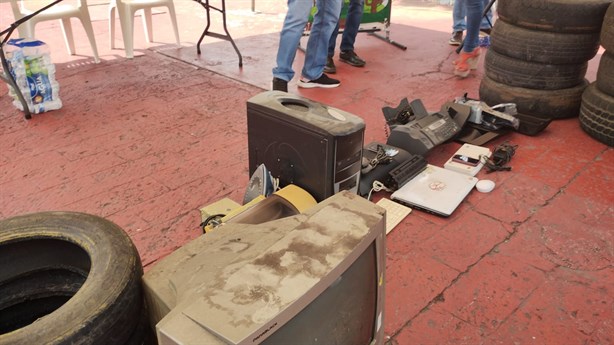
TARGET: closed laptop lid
(436,190)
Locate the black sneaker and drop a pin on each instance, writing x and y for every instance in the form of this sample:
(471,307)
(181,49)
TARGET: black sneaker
(324,81)
(351,58)
(330,66)
(456,39)
(280,85)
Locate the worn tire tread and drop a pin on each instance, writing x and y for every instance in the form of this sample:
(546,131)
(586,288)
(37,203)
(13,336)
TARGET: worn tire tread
(562,16)
(543,104)
(597,115)
(541,46)
(105,310)
(532,75)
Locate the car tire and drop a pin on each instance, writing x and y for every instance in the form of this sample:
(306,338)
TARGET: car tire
(605,73)
(562,16)
(597,115)
(541,46)
(607,29)
(35,295)
(532,75)
(106,307)
(543,104)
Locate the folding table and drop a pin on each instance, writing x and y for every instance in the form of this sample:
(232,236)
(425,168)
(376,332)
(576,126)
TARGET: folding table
(206,32)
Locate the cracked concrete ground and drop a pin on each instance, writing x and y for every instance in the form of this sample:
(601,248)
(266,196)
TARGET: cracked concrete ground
(146,142)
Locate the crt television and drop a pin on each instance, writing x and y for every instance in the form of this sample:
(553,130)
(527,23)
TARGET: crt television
(312,278)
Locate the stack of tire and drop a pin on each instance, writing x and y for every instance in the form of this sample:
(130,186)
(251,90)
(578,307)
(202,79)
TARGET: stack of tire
(597,108)
(538,57)
(70,278)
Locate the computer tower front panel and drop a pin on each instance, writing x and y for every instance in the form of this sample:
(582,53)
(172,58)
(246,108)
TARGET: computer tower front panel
(291,153)
(305,143)
(348,156)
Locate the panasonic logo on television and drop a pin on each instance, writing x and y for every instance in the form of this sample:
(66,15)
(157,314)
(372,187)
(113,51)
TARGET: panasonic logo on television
(264,332)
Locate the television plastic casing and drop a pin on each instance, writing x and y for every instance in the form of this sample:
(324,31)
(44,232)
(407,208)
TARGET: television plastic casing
(306,143)
(312,278)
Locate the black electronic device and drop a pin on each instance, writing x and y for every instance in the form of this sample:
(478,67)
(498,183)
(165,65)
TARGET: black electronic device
(392,166)
(491,118)
(377,161)
(404,112)
(466,160)
(406,171)
(306,143)
(420,136)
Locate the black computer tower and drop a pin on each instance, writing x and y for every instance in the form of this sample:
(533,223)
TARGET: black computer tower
(305,143)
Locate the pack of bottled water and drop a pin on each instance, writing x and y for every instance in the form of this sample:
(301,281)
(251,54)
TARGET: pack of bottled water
(484,41)
(30,64)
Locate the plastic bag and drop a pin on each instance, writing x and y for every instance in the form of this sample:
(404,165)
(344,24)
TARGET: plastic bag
(30,65)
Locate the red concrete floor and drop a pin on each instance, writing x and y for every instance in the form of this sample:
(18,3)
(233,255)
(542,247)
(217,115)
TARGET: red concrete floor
(146,142)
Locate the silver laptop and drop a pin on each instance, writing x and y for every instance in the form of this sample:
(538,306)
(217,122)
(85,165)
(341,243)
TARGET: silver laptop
(435,190)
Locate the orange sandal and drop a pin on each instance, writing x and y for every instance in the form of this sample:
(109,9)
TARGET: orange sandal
(466,62)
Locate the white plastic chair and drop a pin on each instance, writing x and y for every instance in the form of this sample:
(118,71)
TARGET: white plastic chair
(62,11)
(126,10)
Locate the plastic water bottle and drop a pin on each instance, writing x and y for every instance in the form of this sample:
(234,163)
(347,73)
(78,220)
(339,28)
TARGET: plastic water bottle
(484,41)
(30,64)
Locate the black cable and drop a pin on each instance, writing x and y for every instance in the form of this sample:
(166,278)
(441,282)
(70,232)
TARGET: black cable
(500,157)
(381,157)
(209,219)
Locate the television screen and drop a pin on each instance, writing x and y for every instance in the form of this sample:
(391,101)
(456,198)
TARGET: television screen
(312,278)
(343,314)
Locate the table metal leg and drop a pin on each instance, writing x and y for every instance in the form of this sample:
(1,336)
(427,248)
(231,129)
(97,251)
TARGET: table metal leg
(226,36)
(386,36)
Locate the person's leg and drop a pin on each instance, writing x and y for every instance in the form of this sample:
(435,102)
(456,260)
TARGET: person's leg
(289,38)
(330,64)
(458,23)
(323,25)
(474,17)
(352,24)
(470,53)
(333,40)
(458,16)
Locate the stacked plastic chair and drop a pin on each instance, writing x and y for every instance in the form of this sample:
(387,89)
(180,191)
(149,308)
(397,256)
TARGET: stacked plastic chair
(63,12)
(126,10)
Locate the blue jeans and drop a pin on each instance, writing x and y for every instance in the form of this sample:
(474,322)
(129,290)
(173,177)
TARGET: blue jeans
(474,17)
(352,23)
(459,12)
(324,22)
